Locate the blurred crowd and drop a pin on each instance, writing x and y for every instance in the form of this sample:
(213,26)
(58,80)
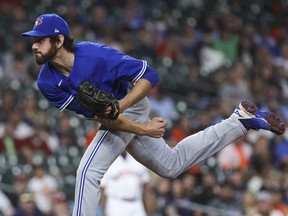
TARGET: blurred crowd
(210,55)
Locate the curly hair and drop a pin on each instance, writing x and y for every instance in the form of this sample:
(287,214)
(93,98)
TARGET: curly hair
(69,43)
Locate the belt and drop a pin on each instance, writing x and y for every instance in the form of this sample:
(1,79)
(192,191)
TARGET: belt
(125,199)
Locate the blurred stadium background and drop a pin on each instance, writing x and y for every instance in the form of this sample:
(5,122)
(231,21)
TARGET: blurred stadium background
(210,54)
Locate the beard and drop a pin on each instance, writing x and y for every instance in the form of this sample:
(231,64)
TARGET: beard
(41,58)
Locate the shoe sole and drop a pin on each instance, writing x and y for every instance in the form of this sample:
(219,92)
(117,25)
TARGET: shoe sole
(273,120)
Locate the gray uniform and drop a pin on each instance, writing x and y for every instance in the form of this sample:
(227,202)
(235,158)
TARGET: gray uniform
(153,153)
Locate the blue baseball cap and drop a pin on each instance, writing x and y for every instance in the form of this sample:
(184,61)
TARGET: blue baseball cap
(47,25)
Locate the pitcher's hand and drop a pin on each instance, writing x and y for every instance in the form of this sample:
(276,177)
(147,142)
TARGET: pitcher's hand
(155,128)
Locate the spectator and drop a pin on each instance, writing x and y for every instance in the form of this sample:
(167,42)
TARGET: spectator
(39,141)
(261,159)
(145,46)
(60,205)
(248,203)
(44,186)
(33,70)
(282,80)
(281,153)
(90,133)
(247,46)
(22,129)
(163,105)
(284,185)
(278,201)
(178,202)
(237,179)
(162,190)
(9,102)
(133,16)
(180,130)
(65,132)
(170,47)
(6,208)
(16,63)
(207,189)
(99,20)
(282,60)
(226,200)
(31,113)
(264,205)
(235,156)
(190,40)
(200,122)
(235,87)
(228,41)
(19,186)
(189,184)
(8,142)
(264,38)
(27,206)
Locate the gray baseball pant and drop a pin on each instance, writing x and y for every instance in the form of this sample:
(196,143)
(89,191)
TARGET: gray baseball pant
(153,153)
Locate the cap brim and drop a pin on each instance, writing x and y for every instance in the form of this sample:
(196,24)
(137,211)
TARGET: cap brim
(34,33)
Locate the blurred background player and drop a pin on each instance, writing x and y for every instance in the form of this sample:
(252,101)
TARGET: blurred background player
(124,185)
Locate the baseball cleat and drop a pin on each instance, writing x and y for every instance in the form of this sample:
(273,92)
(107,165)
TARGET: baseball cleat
(252,118)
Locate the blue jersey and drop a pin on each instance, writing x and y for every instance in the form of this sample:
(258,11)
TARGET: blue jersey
(103,66)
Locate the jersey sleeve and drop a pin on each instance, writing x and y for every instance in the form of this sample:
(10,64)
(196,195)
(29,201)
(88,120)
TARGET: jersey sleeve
(62,100)
(128,68)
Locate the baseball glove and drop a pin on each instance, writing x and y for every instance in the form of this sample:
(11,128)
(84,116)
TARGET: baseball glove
(97,101)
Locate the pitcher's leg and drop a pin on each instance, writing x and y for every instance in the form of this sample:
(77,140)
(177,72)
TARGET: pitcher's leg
(171,162)
(100,154)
